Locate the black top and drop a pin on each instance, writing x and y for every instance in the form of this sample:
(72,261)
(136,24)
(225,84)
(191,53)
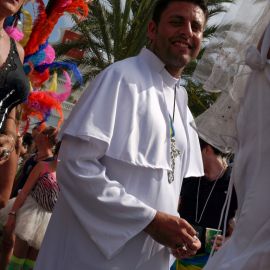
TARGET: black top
(212,212)
(14,85)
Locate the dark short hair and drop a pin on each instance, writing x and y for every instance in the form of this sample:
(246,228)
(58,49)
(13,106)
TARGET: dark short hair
(161,5)
(27,139)
(204,144)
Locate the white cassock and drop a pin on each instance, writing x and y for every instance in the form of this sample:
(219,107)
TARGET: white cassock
(113,170)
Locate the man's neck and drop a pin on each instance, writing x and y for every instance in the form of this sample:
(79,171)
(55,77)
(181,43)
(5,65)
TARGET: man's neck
(175,72)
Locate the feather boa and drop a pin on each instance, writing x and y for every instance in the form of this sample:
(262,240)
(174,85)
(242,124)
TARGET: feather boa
(62,65)
(44,55)
(14,32)
(27,27)
(44,24)
(40,58)
(63,96)
(53,85)
(38,78)
(41,103)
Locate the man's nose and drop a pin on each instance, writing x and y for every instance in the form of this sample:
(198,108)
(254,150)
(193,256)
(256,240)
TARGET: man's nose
(186,30)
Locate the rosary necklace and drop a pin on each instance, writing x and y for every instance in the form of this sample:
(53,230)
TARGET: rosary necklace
(206,202)
(174,152)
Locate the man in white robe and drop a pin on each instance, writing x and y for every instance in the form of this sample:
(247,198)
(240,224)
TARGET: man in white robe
(118,209)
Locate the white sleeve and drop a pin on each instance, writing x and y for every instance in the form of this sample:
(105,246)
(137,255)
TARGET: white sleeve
(102,206)
(195,165)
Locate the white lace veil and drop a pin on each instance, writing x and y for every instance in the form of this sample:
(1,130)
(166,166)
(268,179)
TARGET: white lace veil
(222,69)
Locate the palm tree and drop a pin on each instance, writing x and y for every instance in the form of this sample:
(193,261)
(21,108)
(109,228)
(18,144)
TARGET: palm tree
(115,30)
(111,32)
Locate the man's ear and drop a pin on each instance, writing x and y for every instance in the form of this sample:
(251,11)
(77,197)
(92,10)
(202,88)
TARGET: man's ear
(151,30)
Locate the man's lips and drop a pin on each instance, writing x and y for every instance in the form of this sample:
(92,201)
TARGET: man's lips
(182,43)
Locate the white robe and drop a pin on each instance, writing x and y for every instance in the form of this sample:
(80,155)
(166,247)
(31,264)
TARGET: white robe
(113,170)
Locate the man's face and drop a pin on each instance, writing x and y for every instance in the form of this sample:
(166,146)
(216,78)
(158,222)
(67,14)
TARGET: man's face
(176,40)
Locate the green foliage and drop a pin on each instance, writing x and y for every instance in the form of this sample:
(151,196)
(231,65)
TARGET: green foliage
(111,33)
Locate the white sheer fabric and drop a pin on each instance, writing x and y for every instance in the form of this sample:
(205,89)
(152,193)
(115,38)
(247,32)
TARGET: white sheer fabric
(222,69)
(225,56)
(249,246)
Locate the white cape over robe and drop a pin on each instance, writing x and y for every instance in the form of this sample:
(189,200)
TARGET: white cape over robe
(113,170)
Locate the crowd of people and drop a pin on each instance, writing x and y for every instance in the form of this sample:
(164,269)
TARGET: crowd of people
(134,185)
(27,213)
(28,187)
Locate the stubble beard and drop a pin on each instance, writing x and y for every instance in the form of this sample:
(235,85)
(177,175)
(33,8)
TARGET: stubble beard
(173,62)
(177,62)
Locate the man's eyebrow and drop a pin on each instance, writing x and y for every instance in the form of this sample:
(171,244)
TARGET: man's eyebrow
(180,17)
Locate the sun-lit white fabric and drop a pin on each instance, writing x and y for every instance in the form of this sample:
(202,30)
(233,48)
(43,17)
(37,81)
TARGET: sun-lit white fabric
(217,124)
(241,27)
(139,89)
(223,69)
(249,246)
(113,170)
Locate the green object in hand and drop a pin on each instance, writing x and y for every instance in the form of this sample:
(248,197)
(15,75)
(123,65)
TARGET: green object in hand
(210,234)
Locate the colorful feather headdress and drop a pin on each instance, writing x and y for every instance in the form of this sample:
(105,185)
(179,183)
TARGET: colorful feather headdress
(39,60)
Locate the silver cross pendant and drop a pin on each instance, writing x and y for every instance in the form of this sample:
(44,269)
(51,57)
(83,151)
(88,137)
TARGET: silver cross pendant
(174,154)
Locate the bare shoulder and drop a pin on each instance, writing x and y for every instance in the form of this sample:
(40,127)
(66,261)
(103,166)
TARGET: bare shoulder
(44,166)
(20,51)
(38,168)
